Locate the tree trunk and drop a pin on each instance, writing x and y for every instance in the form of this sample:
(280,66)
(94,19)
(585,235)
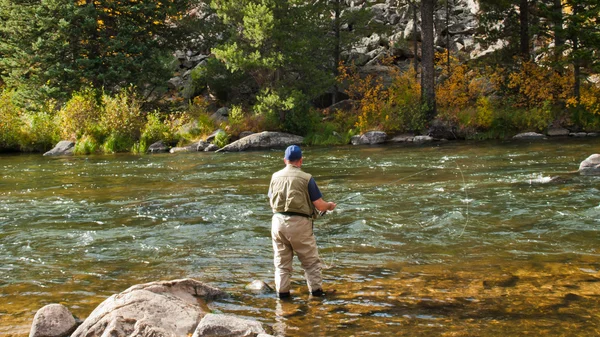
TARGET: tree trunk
(336,50)
(524,32)
(559,39)
(427,51)
(413,7)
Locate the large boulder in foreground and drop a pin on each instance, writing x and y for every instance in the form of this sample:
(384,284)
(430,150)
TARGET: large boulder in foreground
(63,148)
(214,325)
(156,309)
(590,166)
(53,320)
(263,140)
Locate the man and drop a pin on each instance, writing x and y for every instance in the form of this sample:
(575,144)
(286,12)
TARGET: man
(295,199)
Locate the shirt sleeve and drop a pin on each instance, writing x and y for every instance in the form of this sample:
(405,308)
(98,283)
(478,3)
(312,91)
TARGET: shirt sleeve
(313,190)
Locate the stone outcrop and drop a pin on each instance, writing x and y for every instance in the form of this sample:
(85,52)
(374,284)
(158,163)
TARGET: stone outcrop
(53,320)
(263,140)
(156,309)
(369,138)
(63,148)
(590,166)
(158,147)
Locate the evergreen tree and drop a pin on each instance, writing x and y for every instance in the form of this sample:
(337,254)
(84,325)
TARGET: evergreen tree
(58,46)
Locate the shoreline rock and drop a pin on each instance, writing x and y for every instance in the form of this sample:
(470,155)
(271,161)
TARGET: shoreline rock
(263,140)
(62,148)
(590,166)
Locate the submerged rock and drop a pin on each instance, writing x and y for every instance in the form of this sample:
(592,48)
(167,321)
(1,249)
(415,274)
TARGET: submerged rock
(263,140)
(63,148)
(590,166)
(53,320)
(156,309)
(259,286)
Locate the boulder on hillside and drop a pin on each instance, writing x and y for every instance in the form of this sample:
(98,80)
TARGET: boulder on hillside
(263,140)
(590,166)
(156,309)
(369,138)
(53,320)
(63,148)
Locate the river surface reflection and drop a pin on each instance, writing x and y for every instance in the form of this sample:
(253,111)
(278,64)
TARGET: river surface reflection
(450,239)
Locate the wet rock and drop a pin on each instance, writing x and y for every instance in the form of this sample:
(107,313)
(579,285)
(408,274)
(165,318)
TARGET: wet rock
(156,309)
(403,138)
(590,166)
(442,130)
(529,135)
(158,147)
(189,148)
(578,134)
(53,320)
(369,138)
(423,139)
(259,286)
(214,325)
(211,148)
(557,132)
(592,134)
(202,145)
(63,148)
(263,140)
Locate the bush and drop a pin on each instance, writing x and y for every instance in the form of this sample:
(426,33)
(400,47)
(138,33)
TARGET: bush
(221,139)
(86,145)
(38,131)
(79,115)
(157,129)
(10,121)
(117,143)
(122,116)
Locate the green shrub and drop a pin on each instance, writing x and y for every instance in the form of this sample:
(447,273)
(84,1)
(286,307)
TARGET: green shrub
(117,143)
(10,121)
(221,139)
(79,115)
(38,132)
(86,144)
(122,116)
(156,129)
(140,147)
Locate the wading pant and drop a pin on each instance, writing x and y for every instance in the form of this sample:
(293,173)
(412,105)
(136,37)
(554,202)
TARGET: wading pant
(294,234)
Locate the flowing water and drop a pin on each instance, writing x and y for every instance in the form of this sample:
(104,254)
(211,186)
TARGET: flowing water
(448,239)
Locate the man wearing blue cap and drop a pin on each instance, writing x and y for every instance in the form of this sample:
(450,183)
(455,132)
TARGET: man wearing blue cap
(295,199)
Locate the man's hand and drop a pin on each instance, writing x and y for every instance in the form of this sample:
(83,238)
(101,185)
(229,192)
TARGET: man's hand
(331,206)
(324,206)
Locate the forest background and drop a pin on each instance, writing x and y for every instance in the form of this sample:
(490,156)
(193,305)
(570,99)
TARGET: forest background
(97,71)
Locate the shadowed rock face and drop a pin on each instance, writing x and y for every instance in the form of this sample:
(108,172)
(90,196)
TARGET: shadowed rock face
(263,140)
(590,166)
(167,308)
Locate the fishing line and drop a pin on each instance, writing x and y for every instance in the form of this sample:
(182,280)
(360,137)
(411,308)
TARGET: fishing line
(330,265)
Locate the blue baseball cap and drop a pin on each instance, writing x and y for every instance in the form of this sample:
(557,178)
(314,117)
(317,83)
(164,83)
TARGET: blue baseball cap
(293,153)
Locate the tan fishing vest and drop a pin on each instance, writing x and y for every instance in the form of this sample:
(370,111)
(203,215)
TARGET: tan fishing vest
(289,192)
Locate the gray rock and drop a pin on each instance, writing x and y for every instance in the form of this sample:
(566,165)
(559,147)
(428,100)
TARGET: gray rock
(557,132)
(592,134)
(202,145)
(578,134)
(423,139)
(529,135)
(263,140)
(440,129)
(156,309)
(176,83)
(189,148)
(259,286)
(590,166)
(63,148)
(53,320)
(158,147)
(214,325)
(211,148)
(403,138)
(369,138)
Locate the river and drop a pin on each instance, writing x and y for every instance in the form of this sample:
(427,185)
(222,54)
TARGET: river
(447,239)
